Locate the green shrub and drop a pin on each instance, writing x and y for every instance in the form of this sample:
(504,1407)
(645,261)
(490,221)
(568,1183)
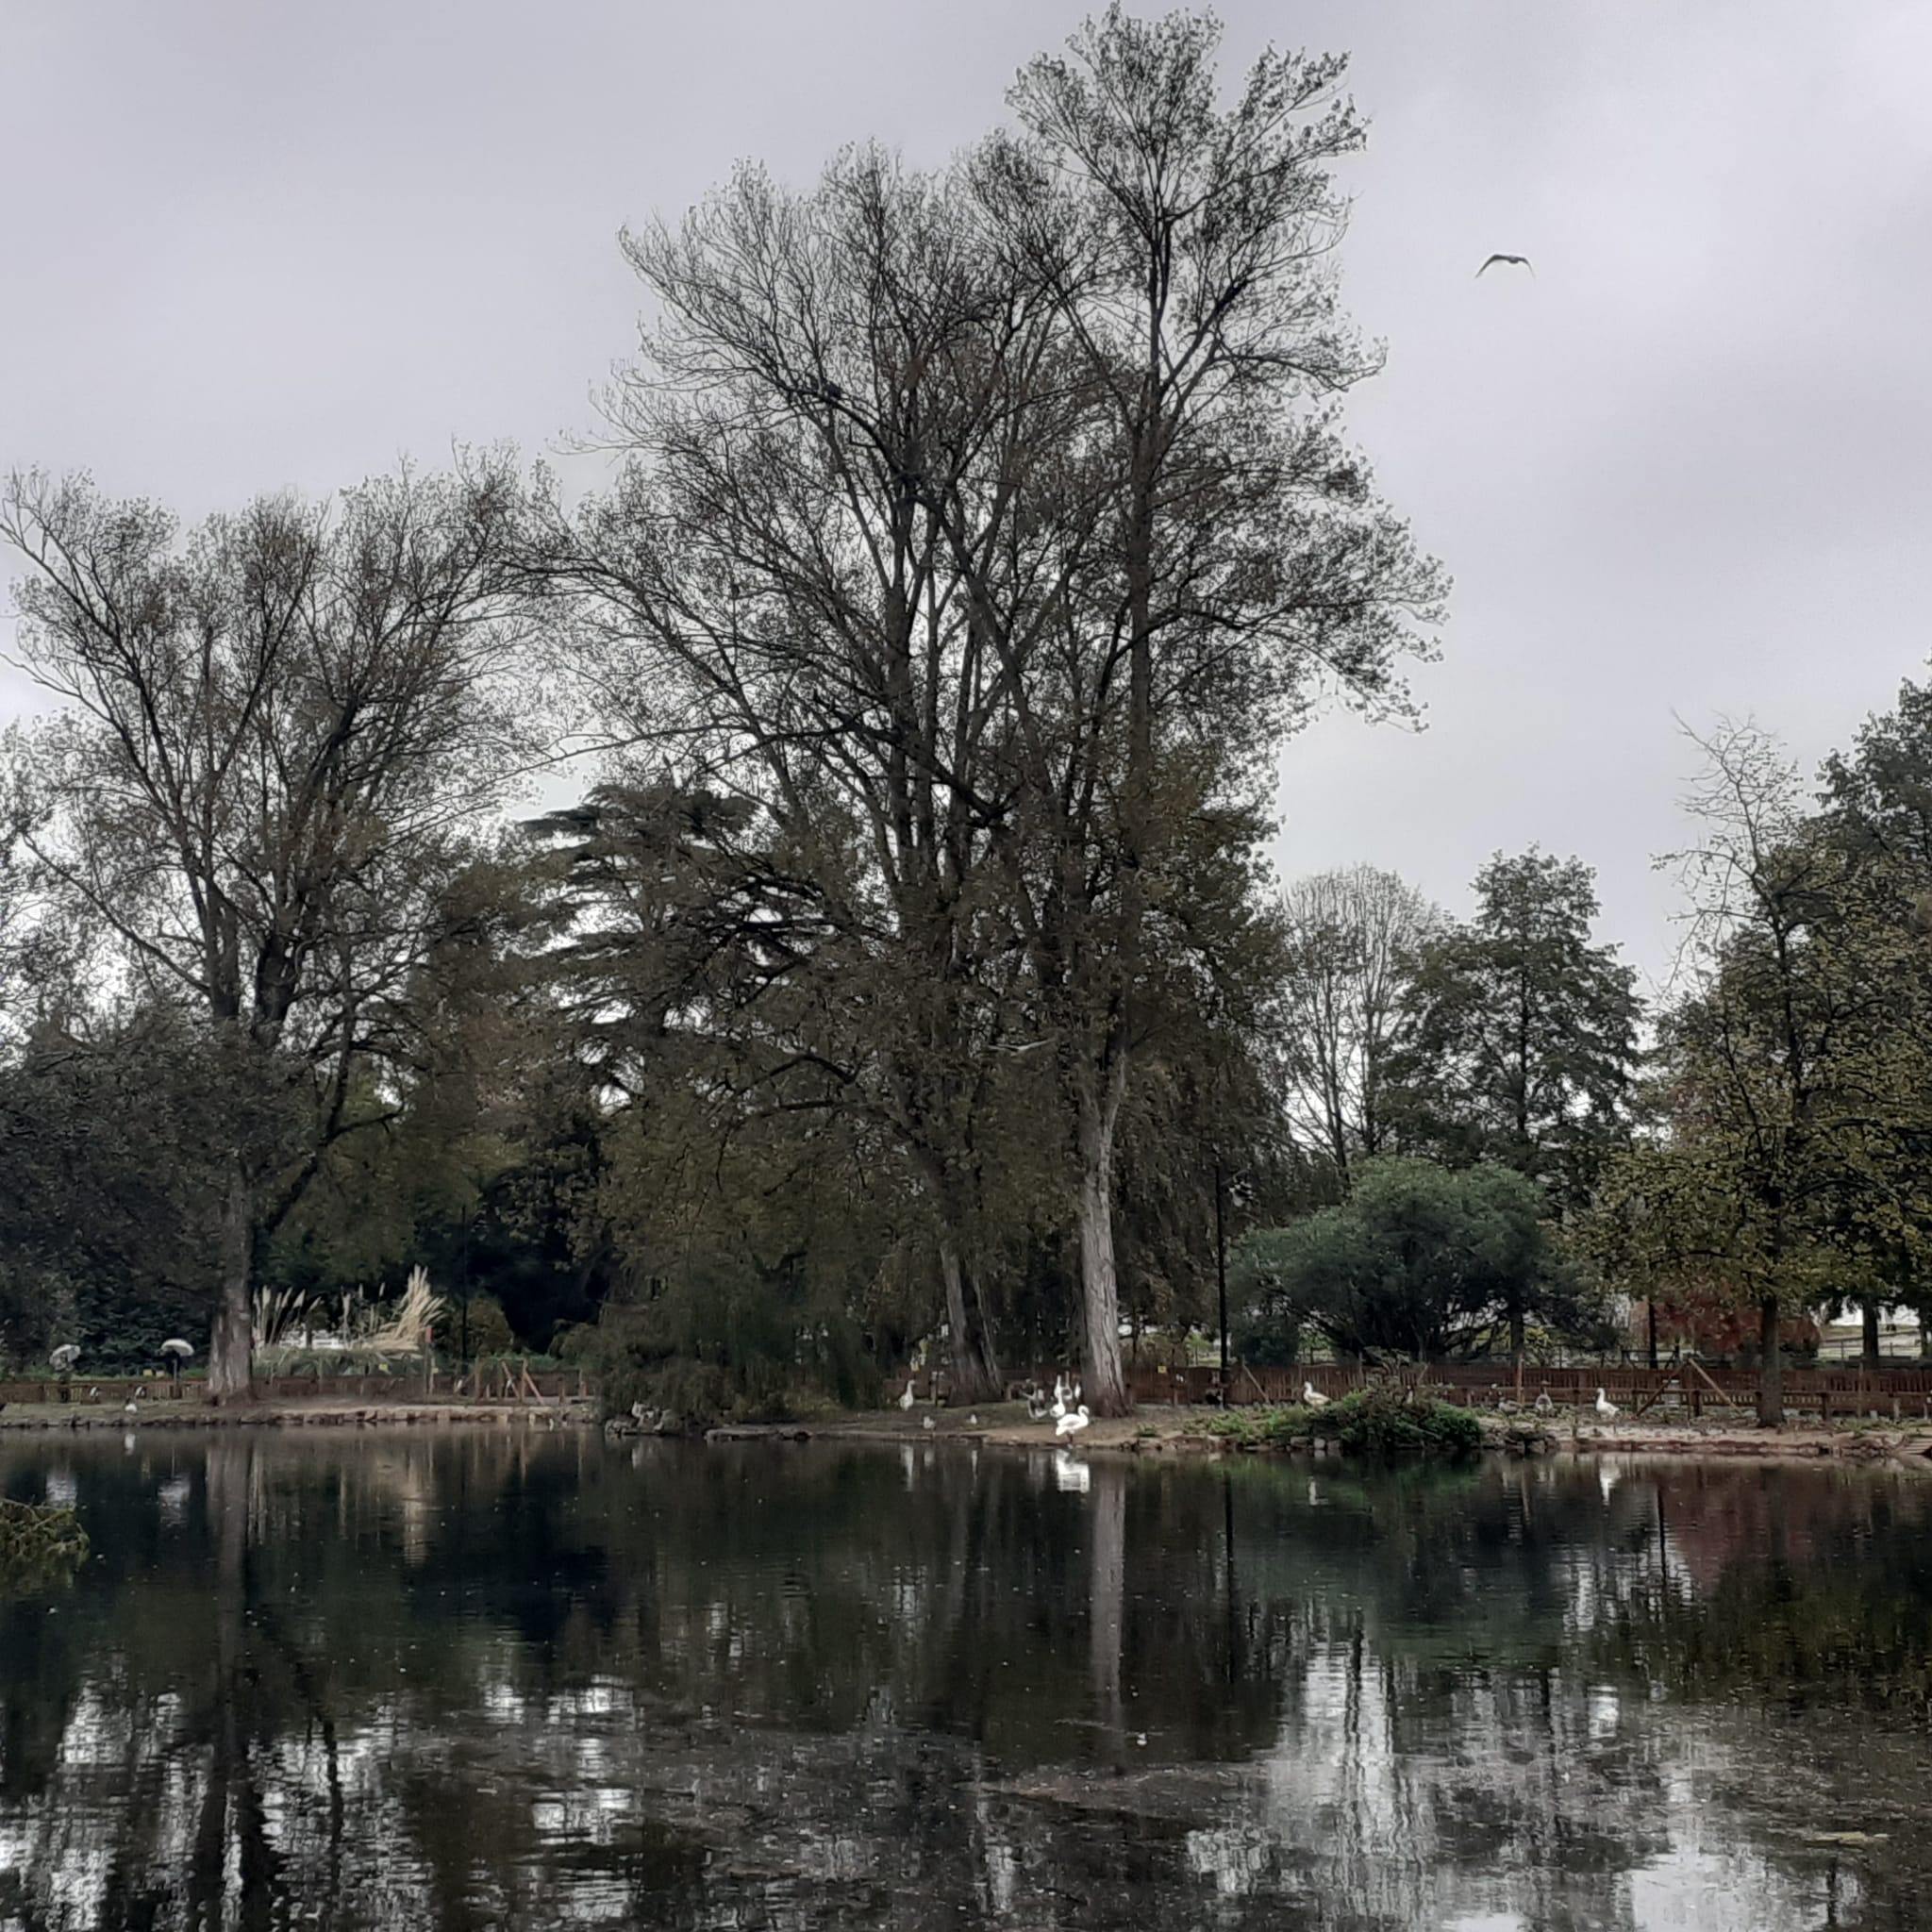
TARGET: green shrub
(488,1329)
(729,1355)
(40,1544)
(1369,1422)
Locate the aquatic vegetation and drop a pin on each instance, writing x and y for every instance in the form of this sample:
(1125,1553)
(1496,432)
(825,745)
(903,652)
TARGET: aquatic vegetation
(1375,1422)
(39,1543)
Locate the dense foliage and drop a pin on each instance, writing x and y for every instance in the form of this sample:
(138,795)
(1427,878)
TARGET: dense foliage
(1377,1420)
(1420,1263)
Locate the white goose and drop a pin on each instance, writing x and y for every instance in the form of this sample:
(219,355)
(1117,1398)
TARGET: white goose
(1605,1408)
(1312,1397)
(905,1400)
(1071,1425)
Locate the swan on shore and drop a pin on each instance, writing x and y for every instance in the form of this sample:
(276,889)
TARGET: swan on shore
(1312,1397)
(1071,1425)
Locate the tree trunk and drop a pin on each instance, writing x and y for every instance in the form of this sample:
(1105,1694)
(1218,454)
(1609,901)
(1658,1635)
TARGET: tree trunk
(975,1372)
(1515,1326)
(1870,1338)
(1103,1388)
(1771,1380)
(231,1346)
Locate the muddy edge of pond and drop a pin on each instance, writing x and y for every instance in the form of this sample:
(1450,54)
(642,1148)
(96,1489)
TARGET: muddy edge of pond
(1155,1431)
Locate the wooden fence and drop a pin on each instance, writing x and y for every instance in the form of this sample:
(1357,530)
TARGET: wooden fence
(493,1381)
(1687,1386)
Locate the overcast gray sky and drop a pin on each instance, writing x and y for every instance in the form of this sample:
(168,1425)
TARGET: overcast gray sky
(1686,468)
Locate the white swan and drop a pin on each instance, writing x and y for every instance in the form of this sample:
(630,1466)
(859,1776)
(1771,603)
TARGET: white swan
(1312,1397)
(905,1400)
(1543,1404)
(1059,1398)
(1605,1408)
(925,1422)
(1071,1425)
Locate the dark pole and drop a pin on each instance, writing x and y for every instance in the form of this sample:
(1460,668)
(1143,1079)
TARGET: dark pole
(1221,1270)
(1650,1317)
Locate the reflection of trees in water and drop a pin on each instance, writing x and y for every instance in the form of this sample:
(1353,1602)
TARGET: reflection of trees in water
(482,1679)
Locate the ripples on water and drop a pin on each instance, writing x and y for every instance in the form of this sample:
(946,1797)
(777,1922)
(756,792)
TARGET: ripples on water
(485,1679)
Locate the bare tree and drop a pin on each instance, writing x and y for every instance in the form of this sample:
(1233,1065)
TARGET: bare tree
(1351,939)
(275,731)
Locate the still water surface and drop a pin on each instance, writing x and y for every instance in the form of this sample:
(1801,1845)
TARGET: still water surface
(487,1679)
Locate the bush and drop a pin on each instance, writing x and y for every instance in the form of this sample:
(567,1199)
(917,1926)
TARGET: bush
(1422,1263)
(40,1544)
(1369,1422)
(489,1332)
(725,1355)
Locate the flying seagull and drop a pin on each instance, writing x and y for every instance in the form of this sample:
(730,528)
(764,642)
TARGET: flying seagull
(1511,261)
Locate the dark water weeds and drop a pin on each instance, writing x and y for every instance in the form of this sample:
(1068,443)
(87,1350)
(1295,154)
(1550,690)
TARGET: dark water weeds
(512,1680)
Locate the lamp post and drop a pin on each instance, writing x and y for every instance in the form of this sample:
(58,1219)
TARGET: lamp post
(1220,1268)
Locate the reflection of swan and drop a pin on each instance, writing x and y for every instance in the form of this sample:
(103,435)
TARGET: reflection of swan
(1605,1408)
(905,1400)
(1312,1397)
(1070,1474)
(1071,1425)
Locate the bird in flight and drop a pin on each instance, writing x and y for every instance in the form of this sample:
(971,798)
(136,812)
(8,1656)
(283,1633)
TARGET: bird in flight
(1511,260)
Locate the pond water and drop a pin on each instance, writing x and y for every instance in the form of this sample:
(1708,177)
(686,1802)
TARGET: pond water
(506,1679)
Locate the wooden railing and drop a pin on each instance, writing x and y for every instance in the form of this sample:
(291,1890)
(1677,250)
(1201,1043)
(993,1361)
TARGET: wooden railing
(499,1382)
(1903,1392)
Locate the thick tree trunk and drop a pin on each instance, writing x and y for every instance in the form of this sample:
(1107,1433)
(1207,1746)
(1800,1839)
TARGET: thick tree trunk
(231,1345)
(1516,1325)
(1870,1338)
(1103,1388)
(976,1371)
(1770,1380)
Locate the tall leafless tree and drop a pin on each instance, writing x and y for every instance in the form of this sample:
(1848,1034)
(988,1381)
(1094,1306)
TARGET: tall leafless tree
(1351,938)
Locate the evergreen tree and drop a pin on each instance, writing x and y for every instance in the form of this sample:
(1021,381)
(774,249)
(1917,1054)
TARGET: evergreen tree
(1520,1041)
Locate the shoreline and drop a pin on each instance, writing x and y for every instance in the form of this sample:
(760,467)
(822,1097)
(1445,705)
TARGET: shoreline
(279,1412)
(1164,1430)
